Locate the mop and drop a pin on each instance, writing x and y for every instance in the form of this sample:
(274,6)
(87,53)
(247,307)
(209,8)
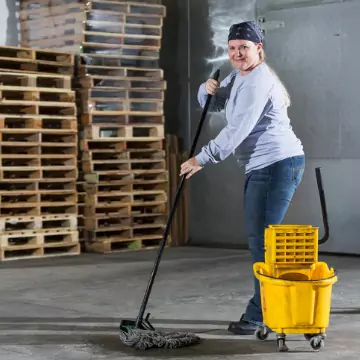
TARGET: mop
(140,334)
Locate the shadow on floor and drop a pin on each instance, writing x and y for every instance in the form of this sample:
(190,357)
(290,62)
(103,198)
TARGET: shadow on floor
(211,347)
(138,256)
(99,337)
(107,345)
(345,311)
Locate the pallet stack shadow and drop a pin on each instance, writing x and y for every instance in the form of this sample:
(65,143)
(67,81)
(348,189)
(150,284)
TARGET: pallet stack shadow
(38,137)
(120,94)
(180,224)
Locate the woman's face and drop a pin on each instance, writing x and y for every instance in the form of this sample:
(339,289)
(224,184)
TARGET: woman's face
(244,54)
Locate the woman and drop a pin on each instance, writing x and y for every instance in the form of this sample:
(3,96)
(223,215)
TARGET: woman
(260,136)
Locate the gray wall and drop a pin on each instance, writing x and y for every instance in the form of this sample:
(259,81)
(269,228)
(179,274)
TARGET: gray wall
(174,61)
(217,189)
(313,55)
(8,23)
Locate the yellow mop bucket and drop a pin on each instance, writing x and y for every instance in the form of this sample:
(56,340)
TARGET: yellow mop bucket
(296,303)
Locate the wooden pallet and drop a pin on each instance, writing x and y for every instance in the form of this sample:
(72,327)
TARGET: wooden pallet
(104,155)
(122,232)
(12,225)
(36,251)
(110,210)
(24,148)
(145,178)
(121,198)
(125,186)
(19,93)
(52,123)
(101,22)
(119,244)
(139,60)
(81,193)
(129,99)
(114,107)
(30,80)
(36,13)
(138,132)
(38,9)
(38,210)
(39,135)
(46,108)
(37,55)
(27,60)
(128,118)
(98,27)
(110,222)
(16,202)
(128,144)
(29,4)
(43,186)
(121,82)
(130,72)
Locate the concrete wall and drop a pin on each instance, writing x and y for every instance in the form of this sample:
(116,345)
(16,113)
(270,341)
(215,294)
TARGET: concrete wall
(218,189)
(314,56)
(8,23)
(310,60)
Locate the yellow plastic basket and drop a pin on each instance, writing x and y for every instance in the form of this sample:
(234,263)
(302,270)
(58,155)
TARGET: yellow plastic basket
(291,244)
(292,305)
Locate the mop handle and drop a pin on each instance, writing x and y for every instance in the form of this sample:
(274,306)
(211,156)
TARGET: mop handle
(172,213)
(203,116)
(325,238)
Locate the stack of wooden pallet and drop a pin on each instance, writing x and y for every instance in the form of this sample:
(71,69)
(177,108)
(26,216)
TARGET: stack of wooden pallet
(120,100)
(121,93)
(74,25)
(38,150)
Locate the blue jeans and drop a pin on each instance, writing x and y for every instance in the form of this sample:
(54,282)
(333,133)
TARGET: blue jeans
(267,196)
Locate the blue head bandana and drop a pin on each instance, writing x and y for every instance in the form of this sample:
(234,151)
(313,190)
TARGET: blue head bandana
(247,30)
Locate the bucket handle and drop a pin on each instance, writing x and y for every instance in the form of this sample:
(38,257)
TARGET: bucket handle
(326,281)
(325,238)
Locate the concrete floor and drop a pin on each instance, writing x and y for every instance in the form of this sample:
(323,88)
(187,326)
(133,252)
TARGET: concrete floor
(70,308)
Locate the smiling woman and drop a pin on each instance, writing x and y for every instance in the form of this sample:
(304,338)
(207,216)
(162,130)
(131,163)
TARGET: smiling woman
(259,134)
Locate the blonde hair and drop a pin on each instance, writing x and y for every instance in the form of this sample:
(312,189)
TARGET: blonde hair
(286,93)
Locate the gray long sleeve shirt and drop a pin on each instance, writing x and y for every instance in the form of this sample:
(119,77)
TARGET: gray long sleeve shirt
(258,132)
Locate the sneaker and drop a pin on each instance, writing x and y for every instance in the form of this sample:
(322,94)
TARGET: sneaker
(242,327)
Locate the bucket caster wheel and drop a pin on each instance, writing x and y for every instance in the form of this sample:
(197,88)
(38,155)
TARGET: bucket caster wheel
(317,343)
(262,333)
(280,340)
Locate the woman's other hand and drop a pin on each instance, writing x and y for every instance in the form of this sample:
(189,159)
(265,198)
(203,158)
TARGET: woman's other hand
(190,167)
(211,86)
